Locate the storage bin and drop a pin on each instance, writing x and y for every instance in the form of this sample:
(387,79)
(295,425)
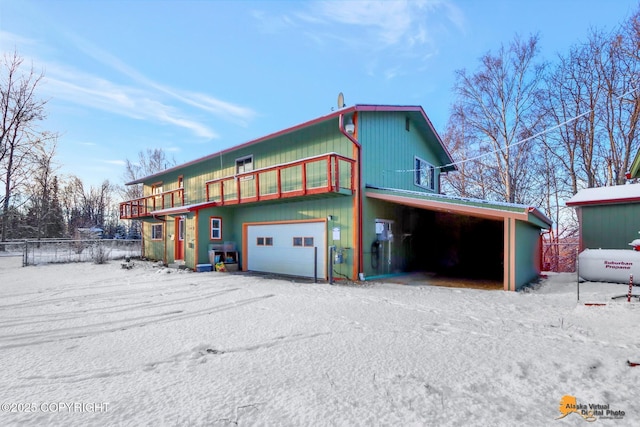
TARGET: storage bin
(204,267)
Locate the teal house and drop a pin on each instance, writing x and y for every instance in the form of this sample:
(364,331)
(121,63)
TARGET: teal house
(354,194)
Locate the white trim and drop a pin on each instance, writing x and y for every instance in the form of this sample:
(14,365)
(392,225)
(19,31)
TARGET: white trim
(153,237)
(418,170)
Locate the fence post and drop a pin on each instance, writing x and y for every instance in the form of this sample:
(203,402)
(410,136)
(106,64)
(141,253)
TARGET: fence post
(25,256)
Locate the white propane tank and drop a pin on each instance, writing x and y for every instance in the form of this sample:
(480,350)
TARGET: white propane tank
(609,265)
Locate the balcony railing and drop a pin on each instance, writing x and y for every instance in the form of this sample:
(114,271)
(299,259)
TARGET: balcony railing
(145,205)
(326,173)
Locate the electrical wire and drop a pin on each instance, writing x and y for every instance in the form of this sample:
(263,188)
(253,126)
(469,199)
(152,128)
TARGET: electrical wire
(566,122)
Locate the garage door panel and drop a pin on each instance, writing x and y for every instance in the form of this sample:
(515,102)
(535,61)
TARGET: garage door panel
(282,257)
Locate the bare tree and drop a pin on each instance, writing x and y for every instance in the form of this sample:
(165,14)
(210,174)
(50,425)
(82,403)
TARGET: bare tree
(86,207)
(592,99)
(620,66)
(20,111)
(149,162)
(499,105)
(468,181)
(45,214)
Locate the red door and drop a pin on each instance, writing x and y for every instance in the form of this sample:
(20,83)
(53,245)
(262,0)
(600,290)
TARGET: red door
(179,239)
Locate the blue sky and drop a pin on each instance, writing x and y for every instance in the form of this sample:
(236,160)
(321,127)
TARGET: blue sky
(194,77)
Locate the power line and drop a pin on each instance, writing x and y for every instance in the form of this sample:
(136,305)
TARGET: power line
(566,122)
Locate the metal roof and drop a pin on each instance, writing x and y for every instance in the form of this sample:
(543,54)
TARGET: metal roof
(461,205)
(415,109)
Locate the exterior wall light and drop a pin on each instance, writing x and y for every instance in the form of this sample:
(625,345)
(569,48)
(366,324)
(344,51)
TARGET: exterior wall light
(350,127)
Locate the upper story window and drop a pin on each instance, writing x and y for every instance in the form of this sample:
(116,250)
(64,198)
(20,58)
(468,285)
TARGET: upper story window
(244,164)
(424,174)
(156,188)
(181,181)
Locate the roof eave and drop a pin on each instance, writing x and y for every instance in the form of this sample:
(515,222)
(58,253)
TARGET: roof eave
(333,115)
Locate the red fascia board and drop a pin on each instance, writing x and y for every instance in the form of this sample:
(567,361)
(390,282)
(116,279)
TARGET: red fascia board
(605,201)
(541,216)
(332,115)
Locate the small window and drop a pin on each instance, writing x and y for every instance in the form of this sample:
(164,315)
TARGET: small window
(407,124)
(216,228)
(425,174)
(264,241)
(244,164)
(297,241)
(308,241)
(156,231)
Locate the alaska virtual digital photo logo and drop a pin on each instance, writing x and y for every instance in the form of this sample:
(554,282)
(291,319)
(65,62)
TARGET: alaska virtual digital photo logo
(589,412)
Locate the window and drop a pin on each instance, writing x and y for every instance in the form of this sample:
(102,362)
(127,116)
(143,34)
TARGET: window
(303,241)
(425,174)
(244,164)
(180,181)
(264,241)
(216,228)
(156,231)
(156,188)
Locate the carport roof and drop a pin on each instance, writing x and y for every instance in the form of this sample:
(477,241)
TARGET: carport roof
(460,205)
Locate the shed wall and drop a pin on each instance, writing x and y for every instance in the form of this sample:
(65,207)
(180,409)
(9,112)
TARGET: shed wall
(527,256)
(609,226)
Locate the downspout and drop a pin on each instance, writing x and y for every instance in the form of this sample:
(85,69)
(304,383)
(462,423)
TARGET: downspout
(358,189)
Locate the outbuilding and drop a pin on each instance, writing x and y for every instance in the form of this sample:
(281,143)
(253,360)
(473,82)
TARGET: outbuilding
(608,217)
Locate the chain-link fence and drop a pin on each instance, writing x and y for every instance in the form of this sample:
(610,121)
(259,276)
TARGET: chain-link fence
(60,251)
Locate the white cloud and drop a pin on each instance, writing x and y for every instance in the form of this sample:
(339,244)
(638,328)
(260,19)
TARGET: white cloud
(142,99)
(391,29)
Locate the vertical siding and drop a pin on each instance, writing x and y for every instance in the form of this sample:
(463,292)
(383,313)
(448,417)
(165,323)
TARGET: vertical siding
(154,249)
(312,141)
(527,253)
(610,226)
(233,218)
(389,150)
(315,140)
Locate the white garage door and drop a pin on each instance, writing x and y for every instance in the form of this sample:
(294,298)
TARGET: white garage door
(287,248)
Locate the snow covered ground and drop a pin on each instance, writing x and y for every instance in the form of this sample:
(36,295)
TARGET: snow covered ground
(85,344)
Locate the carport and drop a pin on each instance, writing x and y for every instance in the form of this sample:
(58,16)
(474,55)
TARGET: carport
(460,237)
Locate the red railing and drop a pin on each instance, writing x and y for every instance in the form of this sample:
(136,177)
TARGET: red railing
(326,173)
(314,175)
(143,206)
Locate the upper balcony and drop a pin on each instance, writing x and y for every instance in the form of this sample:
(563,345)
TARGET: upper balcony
(323,174)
